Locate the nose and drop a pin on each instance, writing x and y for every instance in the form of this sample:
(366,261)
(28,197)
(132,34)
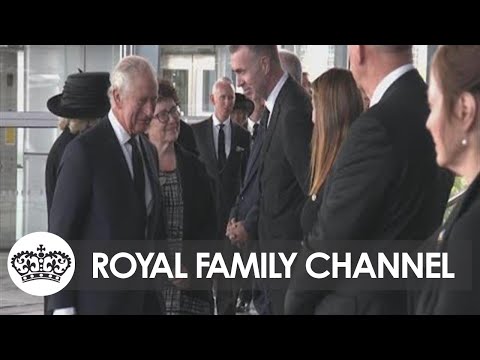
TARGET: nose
(240,81)
(429,123)
(150,109)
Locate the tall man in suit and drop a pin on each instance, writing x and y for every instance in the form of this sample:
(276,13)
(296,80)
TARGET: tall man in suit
(385,185)
(107,195)
(224,147)
(285,152)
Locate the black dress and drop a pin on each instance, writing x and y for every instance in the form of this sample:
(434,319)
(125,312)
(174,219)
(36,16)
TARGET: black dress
(309,213)
(301,296)
(458,237)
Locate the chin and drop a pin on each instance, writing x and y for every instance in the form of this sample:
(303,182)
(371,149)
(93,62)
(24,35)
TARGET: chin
(441,161)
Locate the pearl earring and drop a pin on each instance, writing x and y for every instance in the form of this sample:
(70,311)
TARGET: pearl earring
(464,142)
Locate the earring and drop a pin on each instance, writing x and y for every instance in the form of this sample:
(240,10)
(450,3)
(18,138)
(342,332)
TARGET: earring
(464,142)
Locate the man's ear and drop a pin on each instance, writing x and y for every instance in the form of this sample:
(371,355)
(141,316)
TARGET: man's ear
(265,64)
(212,99)
(117,98)
(466,110)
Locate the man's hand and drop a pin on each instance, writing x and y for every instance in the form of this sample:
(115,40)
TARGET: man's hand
(237,233)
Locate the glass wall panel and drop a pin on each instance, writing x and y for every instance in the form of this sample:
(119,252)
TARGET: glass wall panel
(29,76)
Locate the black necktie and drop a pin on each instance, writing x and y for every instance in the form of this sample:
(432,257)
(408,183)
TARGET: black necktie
(138,175)
(222,157)
(255,131)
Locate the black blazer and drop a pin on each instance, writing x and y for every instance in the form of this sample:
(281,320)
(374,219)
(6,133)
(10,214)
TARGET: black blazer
(385,185)
(459,238)
(247,202)
(227,181)
(199,216)
(186,138)
(95,201)
(284,169)
(53,163)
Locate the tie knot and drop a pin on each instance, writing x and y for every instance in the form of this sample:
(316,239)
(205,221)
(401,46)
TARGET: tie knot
(221,126)
(132,141)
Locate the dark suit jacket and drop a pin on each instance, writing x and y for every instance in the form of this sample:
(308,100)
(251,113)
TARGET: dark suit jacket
(227,181)
(460,240)
(385,186)
(199,216)
(247,202)
(53,163)
(95,203)
(186,138)
(284,171)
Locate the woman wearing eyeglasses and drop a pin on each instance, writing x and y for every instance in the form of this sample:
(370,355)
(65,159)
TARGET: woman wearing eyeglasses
(188,207)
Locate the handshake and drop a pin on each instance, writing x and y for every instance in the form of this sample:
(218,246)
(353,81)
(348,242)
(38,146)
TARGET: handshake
(237,233)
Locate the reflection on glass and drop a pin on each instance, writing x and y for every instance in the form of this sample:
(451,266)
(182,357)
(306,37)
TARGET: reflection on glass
(209,78)
(179,79)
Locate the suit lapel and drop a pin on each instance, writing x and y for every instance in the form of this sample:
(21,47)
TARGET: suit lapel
(254,157)
(233,140)
(208,133)
(275,115)
(117,154)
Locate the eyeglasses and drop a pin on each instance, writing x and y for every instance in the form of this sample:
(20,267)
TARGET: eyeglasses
(174,112)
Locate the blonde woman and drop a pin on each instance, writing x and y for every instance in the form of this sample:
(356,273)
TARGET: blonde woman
(337,102)
(83,100)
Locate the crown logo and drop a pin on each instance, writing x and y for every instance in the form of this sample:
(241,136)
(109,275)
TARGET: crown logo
(41,265)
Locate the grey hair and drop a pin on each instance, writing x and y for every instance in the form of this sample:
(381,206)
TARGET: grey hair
(127,69)
(223,80)
(291,64)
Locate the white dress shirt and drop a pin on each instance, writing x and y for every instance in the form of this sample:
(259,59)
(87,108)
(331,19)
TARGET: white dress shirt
(387,81)
(123,138)
(250,126)
(272,98)
(227,130)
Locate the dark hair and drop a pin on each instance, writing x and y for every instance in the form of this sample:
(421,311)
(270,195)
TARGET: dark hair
(270,51)
(457,69)
(337,102)
(166,90)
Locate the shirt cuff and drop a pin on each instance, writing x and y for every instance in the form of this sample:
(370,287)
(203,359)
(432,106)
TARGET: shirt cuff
(65,311)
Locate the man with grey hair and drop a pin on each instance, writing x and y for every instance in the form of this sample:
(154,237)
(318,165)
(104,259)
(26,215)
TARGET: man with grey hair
(115,198)
(291,64)
(385,187)
(285,153)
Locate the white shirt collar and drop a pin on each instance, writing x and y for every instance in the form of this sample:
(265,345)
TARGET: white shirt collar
(272,98)
(217,122)
(387,81)
(120,132)
(250,125)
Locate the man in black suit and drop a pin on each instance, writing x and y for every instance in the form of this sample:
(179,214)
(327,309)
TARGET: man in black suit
(107,196)
(242,228)
(285,152)
(83,101)
(385,185)
(224,147)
